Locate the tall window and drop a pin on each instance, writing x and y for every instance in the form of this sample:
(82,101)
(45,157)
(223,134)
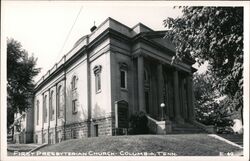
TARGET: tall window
(74,106)
(98,82)
(60,101)
(123,75)
(45,109)
(52,110)
(37,112)
(74,94)
(123,79)
(74,79)
(97,71)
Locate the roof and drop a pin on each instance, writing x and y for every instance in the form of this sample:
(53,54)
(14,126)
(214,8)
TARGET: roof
(109,24)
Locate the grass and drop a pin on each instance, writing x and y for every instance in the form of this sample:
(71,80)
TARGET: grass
(20,147)
(181,145)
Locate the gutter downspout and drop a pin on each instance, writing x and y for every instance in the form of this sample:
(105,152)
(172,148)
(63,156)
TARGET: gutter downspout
(88,90)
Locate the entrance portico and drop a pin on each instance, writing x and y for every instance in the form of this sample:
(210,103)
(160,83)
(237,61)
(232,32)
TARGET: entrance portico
(159,82)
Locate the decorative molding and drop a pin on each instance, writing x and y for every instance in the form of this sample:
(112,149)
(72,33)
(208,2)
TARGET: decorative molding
(97,69)
(123,66)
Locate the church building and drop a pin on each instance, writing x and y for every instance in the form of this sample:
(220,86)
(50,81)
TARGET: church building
(108,75)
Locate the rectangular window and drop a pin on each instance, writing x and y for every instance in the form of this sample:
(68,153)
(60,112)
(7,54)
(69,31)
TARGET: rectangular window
(123,79)
(45,114)
(37,113)
(98,82)
(53,114)
(74,106)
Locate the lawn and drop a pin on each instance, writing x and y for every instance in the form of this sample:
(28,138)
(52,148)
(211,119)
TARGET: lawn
(20,147)
(180,145)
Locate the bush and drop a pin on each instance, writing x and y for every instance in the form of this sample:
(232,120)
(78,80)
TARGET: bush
(138,124)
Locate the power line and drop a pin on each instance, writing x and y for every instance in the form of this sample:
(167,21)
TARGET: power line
(70,31)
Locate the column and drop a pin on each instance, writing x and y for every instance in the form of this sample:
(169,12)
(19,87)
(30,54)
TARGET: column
(42,109)
(64,112)
(140,69)
(89,95)
(178,117)
(160,87)
(56,110)
(184,99)
(190,98)
(48,114)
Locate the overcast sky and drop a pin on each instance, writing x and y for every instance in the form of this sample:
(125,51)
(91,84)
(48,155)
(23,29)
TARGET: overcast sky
(42,27)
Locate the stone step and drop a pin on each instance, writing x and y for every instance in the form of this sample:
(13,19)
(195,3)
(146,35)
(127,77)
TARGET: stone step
(185,129)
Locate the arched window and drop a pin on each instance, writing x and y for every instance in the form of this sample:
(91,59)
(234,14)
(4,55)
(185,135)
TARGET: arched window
(74,95)
(73,82)
(37,112)
(60,101)
(45,114)
(52,110)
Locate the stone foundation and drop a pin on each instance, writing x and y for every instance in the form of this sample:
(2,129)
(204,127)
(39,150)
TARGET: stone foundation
(99,127)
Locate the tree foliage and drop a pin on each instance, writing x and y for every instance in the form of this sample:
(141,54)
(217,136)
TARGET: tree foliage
(20,73)
(213,34)
(208,109)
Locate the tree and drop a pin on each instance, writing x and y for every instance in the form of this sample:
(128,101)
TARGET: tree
(20,73)
(208,109)
(213,34)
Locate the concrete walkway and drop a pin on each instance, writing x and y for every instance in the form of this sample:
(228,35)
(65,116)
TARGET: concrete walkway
(235,138)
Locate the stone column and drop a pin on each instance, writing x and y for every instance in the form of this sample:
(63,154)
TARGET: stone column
(178,117)
(42,117)
(184,99)
(56,113)
(48,114)
(140,69)
(160,87)
(65,112)
(190,98)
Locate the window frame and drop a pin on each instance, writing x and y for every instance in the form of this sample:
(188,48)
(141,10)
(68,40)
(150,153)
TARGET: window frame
(98,86)
(37,112)
(74,106)
(98,81)
(60,99)
(125,79)
(74,83)
(52,110)
(45,109)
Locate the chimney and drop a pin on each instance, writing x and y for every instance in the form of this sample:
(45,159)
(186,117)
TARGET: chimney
(93,28)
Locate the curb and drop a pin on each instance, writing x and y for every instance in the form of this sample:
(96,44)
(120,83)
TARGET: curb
(39,147)
(225,140)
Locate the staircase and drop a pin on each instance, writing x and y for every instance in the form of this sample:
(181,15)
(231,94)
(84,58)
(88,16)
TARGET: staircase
(185,128)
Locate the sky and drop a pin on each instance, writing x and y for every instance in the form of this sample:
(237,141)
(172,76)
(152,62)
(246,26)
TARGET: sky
(43,28)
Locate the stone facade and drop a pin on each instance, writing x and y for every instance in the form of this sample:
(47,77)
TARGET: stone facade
(77,97)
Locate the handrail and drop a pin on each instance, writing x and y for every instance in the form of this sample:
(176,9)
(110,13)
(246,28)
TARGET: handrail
(157,127)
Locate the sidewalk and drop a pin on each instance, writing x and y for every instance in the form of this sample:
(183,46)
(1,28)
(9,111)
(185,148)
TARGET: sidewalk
(235,138)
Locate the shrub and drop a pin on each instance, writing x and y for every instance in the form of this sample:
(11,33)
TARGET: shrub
(138,123)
